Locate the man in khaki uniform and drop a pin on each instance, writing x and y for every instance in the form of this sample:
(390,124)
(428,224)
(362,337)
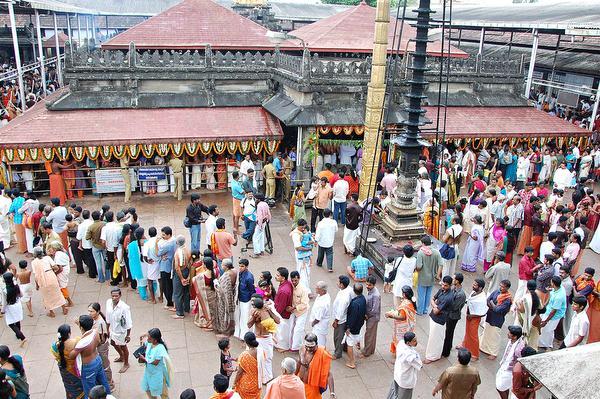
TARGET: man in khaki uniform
(269,176)
(176,165)
(124,163)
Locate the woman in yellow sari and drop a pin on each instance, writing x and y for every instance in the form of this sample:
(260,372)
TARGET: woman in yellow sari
(246,382)
(404,317)
(431,217)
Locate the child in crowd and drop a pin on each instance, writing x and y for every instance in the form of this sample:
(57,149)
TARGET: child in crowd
(25,285)
(227,361)
(307,242)
(387,281)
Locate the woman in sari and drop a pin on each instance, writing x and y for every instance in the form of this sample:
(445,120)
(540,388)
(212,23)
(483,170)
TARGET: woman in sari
(494,243)
(206,297)
(246,379)
(474,248)
(224,321)
(221,173)
(101,328)
(157,377)
(136,262)
(13,367)
(47,283)
(67,366)
(297,210)
(526,309)
(431,216)
(404,317)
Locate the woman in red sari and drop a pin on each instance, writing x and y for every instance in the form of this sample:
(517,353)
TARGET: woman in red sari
(246,379)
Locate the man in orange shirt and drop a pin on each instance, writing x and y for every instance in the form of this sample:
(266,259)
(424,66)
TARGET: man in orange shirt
(221,242)
(321,201)
(326,172)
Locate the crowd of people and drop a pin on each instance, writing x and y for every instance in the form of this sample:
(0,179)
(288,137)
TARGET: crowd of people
(9,89)
(580,115)
(555,304)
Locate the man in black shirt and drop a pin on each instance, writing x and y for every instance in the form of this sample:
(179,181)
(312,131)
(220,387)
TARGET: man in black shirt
(460,298)
(357,310)
(354,215)
(441,304)
(193,214)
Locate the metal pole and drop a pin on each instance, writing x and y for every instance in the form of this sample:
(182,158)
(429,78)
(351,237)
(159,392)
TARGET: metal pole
(13,27)
(79,44)
(595,111)
(555,55)
(299,150)
(56,43)
(41,50)
(93,18)
(87,30)
(531,63)
(510,44)
(70,33)
(481,40)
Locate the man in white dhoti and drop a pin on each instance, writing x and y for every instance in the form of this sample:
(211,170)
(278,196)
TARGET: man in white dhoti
(299,311)
(320,313)
(118,318)
(513,350)
(441,304)
(555,311)
(283,301)
(303,251)
(263,319)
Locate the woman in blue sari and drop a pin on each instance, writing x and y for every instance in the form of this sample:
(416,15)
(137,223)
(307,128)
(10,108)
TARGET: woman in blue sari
(511,169)
(156,380)
(15,373)
(136,261)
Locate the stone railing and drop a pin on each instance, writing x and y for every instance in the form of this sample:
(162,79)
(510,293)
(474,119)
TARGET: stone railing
(305,68)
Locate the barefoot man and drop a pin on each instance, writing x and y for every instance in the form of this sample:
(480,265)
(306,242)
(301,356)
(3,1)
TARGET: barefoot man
(264,319)
(90,362)
(118,318)
(314,368)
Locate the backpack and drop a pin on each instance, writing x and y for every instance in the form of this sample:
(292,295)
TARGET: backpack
(392,275)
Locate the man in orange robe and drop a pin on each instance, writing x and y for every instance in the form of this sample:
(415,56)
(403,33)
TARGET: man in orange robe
(314,368)
(288,385)
(57,183)
(594,315)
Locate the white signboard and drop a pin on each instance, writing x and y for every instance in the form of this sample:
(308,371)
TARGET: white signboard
(109,181)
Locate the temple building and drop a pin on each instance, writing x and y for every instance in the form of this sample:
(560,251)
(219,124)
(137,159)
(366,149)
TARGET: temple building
(202,82)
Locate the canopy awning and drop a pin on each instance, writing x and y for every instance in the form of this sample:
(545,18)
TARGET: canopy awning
(570,373)
(117,132)
(501,122)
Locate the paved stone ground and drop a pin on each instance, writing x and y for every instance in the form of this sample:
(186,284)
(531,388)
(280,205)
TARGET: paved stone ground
(194,352)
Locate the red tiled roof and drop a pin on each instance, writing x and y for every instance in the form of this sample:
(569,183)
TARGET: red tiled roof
(353,30)
(40,127)
(498,122)
(192,24)
(50,42)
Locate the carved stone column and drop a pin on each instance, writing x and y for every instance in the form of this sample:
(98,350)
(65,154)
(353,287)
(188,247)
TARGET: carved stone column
(375,100)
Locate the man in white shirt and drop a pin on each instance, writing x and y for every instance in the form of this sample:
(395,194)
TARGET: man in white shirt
(118,318)
(407,366)
(210,225)
(580,324)
(320,313)
(86,245)
(245,165)
(340,194)
(110,236)
(324,237)
(547,246)
(339,312)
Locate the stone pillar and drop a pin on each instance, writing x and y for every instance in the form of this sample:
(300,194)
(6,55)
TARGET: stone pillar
(300,173)
(375,100)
